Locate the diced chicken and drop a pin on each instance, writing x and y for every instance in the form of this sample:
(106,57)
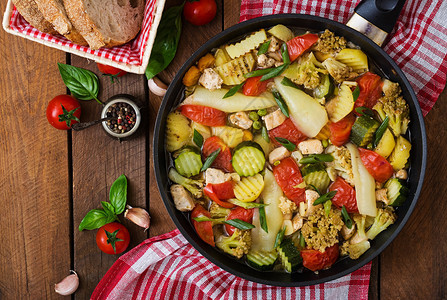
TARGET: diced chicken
(265,62)
(182,199)
(210,79)
(297,156)
(346,232)
(289,227)
(297,222)
(357,238)
(274,44)
(311,146)
(402,174)
(274,119)
(276,56)
(286,206)
(381,195)
(278,154)
(241,120)
(292,225)
(215,176)
(311,196)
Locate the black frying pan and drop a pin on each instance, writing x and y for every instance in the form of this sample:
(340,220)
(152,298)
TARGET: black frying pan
(382,63)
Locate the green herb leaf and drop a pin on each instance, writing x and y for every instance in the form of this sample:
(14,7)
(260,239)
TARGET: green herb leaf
(233,90)
(275,72)
(316,158)
(302,240)
(265,134)
(260,72)
(93,219)
(197,138)
(281,103)
(118,194)
(82,83)
(263,219)
(346,217)
(356,93)
(239,224)
(264,47)
(286,143)
(287,82)
(279,237)
(166,41)
(285,54)
(364,111)
(322,199)
(327,207)
(210,160)
(110,211)
(380,131)
(246,205)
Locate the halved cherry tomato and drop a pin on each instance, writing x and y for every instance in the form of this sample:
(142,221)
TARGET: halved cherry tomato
(288,177)
(370,90)
(345,195)
(300,44)
(341,130)
(315,260)
(288,131)
(224,190)
(203,229)
(253,86)
(210,191)
(240,213)
(377,166)
(203,114)
(223,160)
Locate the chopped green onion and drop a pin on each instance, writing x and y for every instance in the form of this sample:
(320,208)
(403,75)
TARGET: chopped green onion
(262,112)
(322,199)
(302,240)
(253,116)
(286,143)
(285,54)
(233,90)
(263,219)
(260,72)
(239,224)
(346,217)
(246,205)
(264,47)
(281,103)
(356,93)
(197,138)
(327,207)
(287,82)
(279,237)
(316,158)
(364,111)
(210,159)
(316,189)
(381,130)
(265,134)
(275,72)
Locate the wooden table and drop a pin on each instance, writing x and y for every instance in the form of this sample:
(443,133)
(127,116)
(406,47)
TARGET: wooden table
(50,179)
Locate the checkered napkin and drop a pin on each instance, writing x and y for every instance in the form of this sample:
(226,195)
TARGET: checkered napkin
(418,43)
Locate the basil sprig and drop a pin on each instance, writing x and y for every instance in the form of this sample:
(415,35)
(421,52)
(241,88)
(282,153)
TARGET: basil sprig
(233,90)
(286,143)
(380,131)
(356,93)
(210,159)
(346,218)
(97,218)
(316,158)
(197,138)
(264,47)
(322,199)
(281,103)
(82,83)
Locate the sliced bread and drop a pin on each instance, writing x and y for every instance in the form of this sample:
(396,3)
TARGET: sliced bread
(106,23)
(31,13)
(54,12)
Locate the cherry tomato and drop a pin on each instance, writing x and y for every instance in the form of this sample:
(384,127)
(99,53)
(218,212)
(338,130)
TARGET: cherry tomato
(315,260)
(113,238)
(377,166)
(341,130)
(109,70)
(370,90)
(223,160)
(300,44)
(288,131)
(199,12)
(203,229)
(63,111)
(204,115)
(288,177)
(345,195)
(211,191)
(253,86)
(240,213)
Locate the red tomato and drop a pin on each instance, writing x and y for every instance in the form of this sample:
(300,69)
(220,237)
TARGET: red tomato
(109,70)
(199,12)
(223,160)
(204,115)
(240,213)
(224,190)
(341,130)
(211,191)
(288,177)
(345,195)
(113,238)
(370,90)
(377,166)
(288,131)
(300,44)
(253,86)
(315,260)
(59,118)
(203,229)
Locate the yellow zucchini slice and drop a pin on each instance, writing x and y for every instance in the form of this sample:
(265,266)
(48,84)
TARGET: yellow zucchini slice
(221,57)
(178,132)
(386,144)
(398,159)
(233,71)
(248,189)
(354,58)
(341,105)
(229,135)
(246,45)
(281,32)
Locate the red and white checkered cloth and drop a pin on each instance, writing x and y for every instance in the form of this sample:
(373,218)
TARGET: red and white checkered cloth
(418,43)
(168,267)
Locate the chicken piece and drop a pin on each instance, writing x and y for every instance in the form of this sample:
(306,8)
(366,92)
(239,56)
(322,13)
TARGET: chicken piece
(182,199)
(265,62)
(241,120)
(402,174)
(216,176)
(286,206)
(381,195)
(311,196)
(297,222)
(311,146)
(274,44)
(278,154)
(346,232)
(274,119)
(210,79)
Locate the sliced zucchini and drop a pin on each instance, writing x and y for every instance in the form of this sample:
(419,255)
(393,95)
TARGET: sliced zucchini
(232,72)
(354,58)
(398,159)
(281,32)
(246,45)
(178,132)
(248,189)
(262,260)
(188,161)
(289,255)
(386,144)
(341,105)
(397,192)
(326,87)
(248,158)
(221,57)
(316,175)
(363,130)
(230,136)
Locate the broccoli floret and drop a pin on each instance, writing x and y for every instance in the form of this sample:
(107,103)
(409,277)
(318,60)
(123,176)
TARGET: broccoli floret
(329,43)
(194,186)
(309,70)
(342,163)
(356,250)
(338,70)
(286,206)
(385,217)
(218,211)
(360,235)
(237,245)
(393,105)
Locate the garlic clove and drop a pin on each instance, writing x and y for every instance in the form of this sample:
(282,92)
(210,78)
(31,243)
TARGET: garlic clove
(156,86)
(68,285)
(138,216)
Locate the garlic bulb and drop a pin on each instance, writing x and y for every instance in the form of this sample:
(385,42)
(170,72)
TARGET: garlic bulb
(68,285)
(156,86)
(138,215)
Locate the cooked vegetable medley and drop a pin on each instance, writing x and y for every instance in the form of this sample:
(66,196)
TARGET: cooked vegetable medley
(288,151)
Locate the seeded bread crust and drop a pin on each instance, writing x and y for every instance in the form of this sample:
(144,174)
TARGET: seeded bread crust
(30,12)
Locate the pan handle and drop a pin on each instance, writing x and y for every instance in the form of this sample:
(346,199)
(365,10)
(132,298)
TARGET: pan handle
(376,18)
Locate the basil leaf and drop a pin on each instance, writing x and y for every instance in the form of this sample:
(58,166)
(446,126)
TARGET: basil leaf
(118,194)
(263,219)
(280,101)
(239,224)
(364,111)
(287,82)
(82,83)
(316,158)
(325,197)
(166,41)
(327,207)
(93,219)
(275,72)
(279,237)
(197,138)
(381,130)
(246,205)
(264,47)
(210,159)
(110,211)
(356,93)
(233,90)
(346,217)
(286,143)
(265,134)
(285,54)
